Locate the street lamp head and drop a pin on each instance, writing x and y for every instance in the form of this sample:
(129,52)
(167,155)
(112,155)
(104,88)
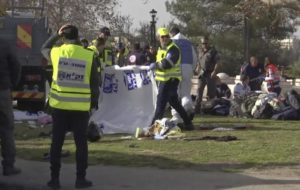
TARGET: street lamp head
(153,12)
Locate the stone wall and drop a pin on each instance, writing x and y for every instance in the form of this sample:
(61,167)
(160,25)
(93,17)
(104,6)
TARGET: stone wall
(231,81)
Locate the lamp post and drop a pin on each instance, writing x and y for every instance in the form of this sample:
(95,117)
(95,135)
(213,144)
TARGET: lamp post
(246,28)
(153,13)
(246,38)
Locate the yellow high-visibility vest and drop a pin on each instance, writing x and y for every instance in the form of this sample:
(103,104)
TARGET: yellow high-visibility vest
(107,57)
(70,88)
(95,50)
(166,74)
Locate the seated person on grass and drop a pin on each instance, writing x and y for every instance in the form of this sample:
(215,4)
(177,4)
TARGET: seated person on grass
(242,89)
(223,90)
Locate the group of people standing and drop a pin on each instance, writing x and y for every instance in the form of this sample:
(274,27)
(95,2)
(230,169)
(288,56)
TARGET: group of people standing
(119,54)
(77,67)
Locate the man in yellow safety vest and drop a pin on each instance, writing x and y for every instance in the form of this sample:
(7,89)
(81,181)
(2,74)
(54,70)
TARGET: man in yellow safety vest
(168,74)
(74,92)
(107,56)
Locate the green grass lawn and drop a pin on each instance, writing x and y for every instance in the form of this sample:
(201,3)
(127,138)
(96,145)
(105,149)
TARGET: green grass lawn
(267,143)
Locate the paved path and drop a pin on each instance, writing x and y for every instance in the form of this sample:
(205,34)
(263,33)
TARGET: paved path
(36,174)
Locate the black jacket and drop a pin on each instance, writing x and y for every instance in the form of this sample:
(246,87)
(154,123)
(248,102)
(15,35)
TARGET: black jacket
(10,68)
(94,80)
(136,58)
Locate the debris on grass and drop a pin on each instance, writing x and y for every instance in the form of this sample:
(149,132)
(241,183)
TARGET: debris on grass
(224,127)
(215,138)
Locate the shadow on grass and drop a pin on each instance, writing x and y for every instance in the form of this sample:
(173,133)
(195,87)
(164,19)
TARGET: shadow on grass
(138,160)
(274,129)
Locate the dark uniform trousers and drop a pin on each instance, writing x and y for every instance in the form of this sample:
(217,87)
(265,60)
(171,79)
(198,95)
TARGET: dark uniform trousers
(8,149)
(167,92)
(211,89)
(77,122)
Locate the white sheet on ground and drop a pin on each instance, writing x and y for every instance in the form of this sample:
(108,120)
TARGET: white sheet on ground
(128,99)
(25,115)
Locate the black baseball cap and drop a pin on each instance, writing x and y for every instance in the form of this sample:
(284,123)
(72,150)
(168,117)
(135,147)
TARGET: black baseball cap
(70,32)
(105,31)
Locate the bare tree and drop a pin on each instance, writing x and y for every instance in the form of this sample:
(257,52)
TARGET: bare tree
(88,15)
(121,25)
(143,33)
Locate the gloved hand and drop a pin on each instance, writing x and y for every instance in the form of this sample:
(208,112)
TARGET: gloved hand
(152,66)
(94,107)
(92,111)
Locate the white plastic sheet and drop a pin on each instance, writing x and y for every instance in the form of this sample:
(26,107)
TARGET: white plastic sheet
(128,98)
(25,115)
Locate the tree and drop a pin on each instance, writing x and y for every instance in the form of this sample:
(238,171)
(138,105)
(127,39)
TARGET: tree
(86,14)
(143,33)
(121,26)
(224,22)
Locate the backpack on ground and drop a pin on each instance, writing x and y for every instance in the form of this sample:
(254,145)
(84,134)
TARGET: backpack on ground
(217,106)
(265,111)
(93,133)
(289,113)
(248,104)
(293,99)
(263,108)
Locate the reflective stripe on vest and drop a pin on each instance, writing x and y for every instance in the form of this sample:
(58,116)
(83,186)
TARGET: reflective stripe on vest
(70,89)
(166,74)
(72,85)
(69,99)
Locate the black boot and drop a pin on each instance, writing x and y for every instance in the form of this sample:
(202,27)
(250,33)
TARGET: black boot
(82,183)
(192,114)
(189,127)
(10,170)
(54,183)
